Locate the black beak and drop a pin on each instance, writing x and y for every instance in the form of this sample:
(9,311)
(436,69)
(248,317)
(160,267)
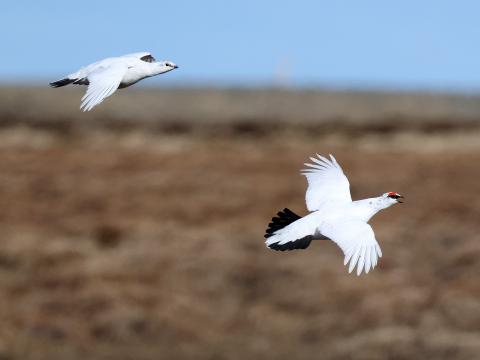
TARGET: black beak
(398,199)
(175,67)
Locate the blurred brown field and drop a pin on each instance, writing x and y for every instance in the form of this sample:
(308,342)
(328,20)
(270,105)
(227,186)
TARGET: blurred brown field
(136,231)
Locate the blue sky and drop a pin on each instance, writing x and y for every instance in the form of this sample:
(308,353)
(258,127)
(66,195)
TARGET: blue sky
(408,45)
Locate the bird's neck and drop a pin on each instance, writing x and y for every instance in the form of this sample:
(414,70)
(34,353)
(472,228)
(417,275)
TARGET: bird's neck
(147,70)
(369,207)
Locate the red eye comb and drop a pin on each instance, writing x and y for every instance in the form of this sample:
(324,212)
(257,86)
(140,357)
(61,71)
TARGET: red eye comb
(391,193)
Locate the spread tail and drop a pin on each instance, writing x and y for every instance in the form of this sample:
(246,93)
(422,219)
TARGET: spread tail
(283,219)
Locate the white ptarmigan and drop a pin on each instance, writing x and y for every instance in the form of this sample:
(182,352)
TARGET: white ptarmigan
(105,76)
(333,216)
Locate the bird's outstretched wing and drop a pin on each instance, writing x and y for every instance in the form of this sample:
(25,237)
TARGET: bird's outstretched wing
(357,241)
(103,83)
(326,183)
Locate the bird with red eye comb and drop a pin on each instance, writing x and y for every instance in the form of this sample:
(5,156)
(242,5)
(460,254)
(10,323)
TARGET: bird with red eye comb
(333,216)
(395,196)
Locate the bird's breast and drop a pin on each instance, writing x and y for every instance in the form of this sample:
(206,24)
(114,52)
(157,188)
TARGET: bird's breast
(131,77)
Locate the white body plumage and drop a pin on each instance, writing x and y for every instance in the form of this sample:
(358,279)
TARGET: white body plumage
(333,216)
(104,77)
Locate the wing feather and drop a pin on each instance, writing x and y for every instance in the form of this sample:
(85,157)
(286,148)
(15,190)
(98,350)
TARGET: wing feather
(361,260)
(357,241)
(367,261)
(354,260)
(326,182)
(104,81)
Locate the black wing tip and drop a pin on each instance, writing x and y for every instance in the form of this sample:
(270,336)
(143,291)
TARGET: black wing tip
(62,82)
(284,217)
(299,244)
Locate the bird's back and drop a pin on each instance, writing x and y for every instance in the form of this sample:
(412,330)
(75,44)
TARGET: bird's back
(84,71)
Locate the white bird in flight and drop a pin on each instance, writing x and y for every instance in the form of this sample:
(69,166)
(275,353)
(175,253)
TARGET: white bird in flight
(333,216)
(105,76)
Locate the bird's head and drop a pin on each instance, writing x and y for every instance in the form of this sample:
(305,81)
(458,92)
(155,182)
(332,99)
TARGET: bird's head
(165,66)
(392,198)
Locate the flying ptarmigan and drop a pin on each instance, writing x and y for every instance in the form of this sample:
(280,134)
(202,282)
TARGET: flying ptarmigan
(105,76)
(333,216)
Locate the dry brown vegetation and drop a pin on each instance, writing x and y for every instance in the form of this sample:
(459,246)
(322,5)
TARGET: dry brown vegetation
(143,241)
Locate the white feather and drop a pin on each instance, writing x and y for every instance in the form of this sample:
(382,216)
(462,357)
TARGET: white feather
(335,216)
(326,183)
(105,76)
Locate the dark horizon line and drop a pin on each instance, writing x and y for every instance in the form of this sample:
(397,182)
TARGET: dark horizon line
(338,86)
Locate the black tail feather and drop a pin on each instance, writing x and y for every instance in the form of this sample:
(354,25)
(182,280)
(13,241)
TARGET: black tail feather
(302,243)
(62,82)
(283,218)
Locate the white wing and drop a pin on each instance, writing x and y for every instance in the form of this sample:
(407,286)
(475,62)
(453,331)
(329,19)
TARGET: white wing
(326,183)
(103,83)
(357,241)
